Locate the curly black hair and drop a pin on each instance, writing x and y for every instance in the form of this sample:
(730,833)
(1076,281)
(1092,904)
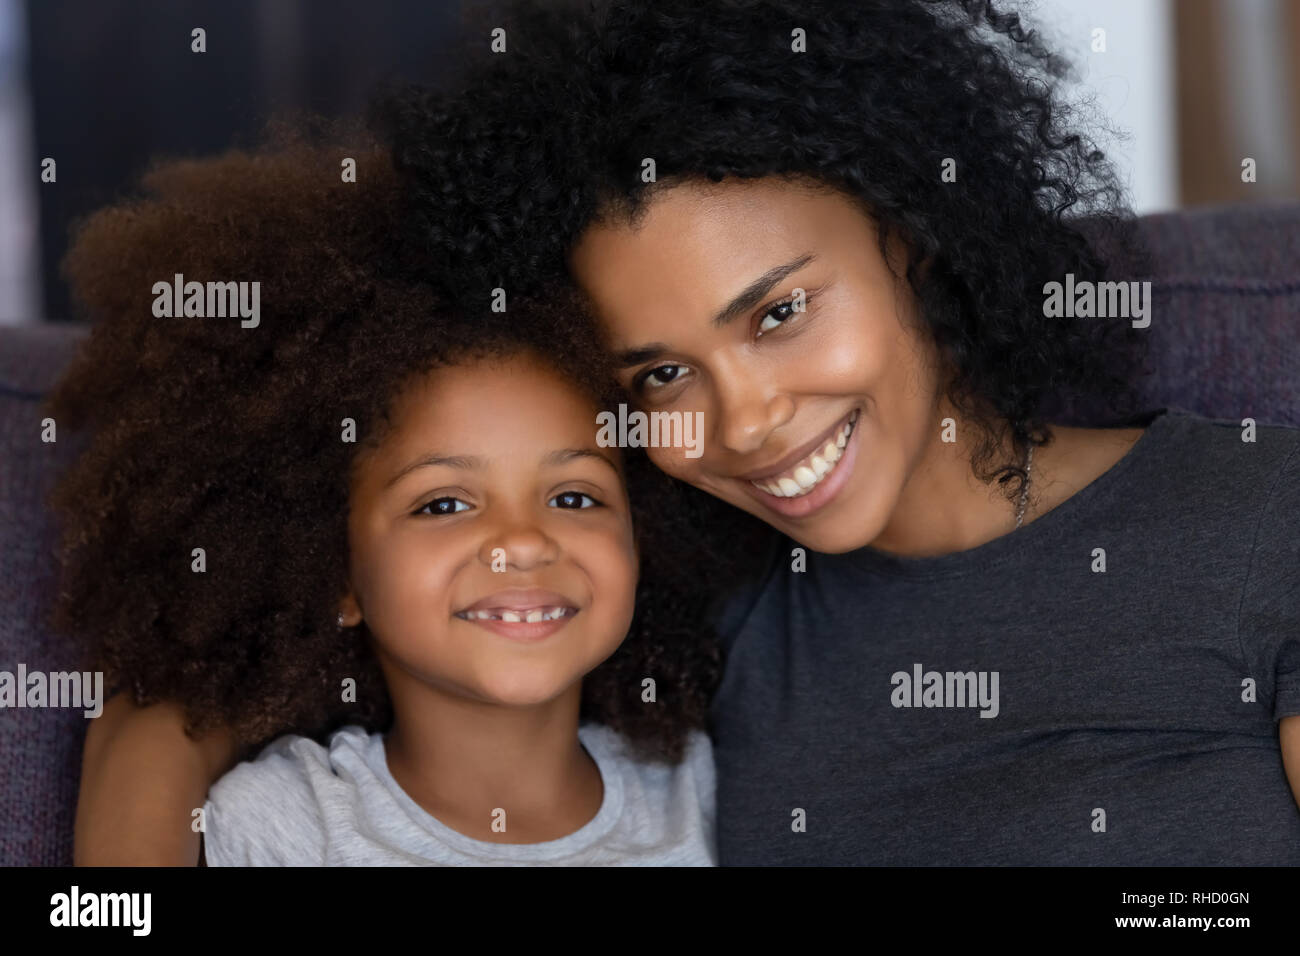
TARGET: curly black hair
(203,433)
(511,166)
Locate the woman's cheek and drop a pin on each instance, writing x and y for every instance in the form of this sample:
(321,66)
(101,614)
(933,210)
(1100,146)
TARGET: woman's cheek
(675,463)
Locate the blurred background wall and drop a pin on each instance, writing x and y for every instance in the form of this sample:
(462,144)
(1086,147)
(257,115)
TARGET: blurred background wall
(1190,89)
(103,86)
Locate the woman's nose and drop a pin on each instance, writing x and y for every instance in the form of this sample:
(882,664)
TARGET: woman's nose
(748,412)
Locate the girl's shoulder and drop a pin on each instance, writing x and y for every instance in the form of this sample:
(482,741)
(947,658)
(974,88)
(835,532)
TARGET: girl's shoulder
(608,747)
(271,810)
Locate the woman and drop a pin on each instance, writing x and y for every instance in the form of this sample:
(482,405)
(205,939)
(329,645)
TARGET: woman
(974,635)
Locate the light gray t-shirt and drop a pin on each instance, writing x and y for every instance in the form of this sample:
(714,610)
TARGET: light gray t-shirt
(301,804)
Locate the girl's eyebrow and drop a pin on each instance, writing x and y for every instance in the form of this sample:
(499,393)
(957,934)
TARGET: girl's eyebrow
(748,298)
(471,462)
(465,462)
(564,455)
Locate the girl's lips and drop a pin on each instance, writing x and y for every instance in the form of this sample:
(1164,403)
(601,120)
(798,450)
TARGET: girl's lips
(821,495)
(523,631)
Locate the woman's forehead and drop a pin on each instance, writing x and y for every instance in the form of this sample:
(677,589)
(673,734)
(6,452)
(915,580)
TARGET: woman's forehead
(701,244)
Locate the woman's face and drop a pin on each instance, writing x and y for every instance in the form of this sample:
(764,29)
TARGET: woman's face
(813,420)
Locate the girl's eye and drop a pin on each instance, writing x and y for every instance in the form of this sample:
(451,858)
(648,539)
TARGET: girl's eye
(443,506)
(770,321)
(660,375)
(574,500)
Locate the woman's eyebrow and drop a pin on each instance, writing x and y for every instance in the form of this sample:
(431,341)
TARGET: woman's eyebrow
(753,293)
(748,298)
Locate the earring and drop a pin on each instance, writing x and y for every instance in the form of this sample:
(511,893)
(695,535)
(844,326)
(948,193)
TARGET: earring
(340,620)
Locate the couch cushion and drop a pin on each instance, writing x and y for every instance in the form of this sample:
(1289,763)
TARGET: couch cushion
(41,747)
(1225,323)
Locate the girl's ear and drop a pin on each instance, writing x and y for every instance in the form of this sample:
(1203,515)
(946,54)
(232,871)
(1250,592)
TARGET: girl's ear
(349,611)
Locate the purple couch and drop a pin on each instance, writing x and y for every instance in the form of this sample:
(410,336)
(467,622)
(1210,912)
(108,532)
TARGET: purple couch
(1225,336)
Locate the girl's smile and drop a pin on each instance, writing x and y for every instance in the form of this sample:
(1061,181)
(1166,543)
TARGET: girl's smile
(521,615)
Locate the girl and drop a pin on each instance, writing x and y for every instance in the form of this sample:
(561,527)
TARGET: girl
(976,633)
(380,533)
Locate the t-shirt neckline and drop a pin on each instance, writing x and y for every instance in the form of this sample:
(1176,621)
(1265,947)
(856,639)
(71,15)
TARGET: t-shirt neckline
(611,808)
(1042,531)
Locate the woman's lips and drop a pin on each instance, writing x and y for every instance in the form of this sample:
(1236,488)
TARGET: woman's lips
(823,492)
(802,476)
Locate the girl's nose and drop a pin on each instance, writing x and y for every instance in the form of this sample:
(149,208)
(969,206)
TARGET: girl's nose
(518,547)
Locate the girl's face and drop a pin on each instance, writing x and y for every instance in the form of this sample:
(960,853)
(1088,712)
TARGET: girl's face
(492,555)
(813,420)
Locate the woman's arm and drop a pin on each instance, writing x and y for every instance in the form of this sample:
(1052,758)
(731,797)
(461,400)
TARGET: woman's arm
(1289,735)
(142,778)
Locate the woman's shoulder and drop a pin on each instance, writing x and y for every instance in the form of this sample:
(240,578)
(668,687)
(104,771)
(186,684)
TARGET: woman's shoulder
(1243,458)
(1193,460)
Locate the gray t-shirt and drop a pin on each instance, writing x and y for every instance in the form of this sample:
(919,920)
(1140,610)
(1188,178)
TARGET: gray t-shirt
(1015,703)
(301,804)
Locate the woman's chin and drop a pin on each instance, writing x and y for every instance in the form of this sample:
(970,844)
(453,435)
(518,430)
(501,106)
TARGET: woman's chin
(854,519)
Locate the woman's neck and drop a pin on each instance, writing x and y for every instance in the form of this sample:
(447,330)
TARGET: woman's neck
(944,508)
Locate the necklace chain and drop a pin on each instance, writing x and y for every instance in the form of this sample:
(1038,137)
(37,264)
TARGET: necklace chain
(1024,491)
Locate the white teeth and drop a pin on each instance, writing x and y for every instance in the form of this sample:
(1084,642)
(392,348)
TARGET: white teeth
(809,473)
(531,616)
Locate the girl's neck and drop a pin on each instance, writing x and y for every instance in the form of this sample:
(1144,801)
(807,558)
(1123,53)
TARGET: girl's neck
(493,773)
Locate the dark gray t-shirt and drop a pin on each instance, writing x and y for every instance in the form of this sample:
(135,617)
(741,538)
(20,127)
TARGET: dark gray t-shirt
(1016,704)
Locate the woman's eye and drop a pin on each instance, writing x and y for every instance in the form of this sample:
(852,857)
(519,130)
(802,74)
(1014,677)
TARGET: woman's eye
(573,499)
(443,506)
(661,375)
(770,322)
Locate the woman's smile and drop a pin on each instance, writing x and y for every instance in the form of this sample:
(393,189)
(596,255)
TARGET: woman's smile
(815,478)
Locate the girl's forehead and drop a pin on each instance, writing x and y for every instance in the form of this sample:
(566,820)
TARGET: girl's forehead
(516,399)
